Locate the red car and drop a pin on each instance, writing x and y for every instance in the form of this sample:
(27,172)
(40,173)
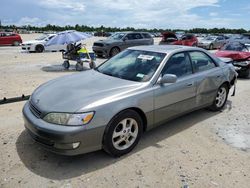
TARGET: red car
(186,39)
(10,39)
(240,55)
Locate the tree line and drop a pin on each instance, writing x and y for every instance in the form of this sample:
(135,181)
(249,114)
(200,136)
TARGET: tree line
(85,28)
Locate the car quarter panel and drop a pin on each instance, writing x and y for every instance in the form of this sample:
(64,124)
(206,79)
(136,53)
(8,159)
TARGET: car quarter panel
(107,108)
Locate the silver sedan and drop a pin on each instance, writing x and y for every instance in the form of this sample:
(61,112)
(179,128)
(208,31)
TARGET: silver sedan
(111,106)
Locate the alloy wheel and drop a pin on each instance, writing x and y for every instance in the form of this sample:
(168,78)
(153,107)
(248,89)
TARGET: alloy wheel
(125,133)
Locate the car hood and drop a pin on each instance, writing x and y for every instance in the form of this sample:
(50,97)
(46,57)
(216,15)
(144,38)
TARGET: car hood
(79,91)
(233,55)
(33,42)
(206,41)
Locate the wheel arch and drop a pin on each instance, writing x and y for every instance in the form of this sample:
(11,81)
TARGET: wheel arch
(137,110)
(112,48)
(39,45)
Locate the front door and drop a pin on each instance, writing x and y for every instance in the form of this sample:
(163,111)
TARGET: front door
(174,99)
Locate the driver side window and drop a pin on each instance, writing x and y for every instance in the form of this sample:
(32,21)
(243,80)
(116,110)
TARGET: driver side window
(179,65)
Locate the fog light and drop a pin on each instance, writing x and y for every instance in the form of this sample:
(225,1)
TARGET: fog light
(75,145)
(67,146)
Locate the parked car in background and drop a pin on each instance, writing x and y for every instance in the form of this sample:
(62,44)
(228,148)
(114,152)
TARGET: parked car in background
(179,34)
(37,45)
(120,41)
(110,107)
(244,38)
(185,40)
(240,54)
(10,39)
(212,42)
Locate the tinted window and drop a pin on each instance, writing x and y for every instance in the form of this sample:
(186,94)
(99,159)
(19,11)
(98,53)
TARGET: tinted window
(134,36)
(146,35)
(201,61)
(179,64)
(220,38)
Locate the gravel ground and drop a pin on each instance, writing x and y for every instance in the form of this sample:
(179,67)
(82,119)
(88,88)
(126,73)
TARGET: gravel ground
(201,149)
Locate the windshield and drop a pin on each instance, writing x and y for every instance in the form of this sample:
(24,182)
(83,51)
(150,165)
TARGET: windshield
(235,47)
(134,65)
(210,38)
(43,37)
(117,36)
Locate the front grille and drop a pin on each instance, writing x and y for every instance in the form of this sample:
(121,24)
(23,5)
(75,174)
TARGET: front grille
(35,110)
(98,44)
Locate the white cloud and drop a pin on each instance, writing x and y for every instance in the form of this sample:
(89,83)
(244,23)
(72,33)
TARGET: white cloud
(129,13)
(71,5)
(213,14)
(154,13)
(26,21)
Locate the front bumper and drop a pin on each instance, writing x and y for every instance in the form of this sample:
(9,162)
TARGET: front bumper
(101,51)
(242,70)
(27,47)
(205,46)
(51,136)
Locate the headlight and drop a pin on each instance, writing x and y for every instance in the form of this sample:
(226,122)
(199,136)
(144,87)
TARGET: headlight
(242,63)
(69,119)
(28,44)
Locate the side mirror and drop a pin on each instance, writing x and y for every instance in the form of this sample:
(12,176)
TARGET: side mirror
(125,38)
(167,78)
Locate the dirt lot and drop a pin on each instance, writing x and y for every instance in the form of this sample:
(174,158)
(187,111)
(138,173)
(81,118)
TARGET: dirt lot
(201,149)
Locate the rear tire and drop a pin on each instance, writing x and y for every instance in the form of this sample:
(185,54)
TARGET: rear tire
(123,133)
(39,48)
(220,98)
(16,43)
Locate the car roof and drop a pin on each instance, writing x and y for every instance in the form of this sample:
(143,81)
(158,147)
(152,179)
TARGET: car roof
(163,48)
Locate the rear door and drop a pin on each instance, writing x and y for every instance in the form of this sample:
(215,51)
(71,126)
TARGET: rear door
(4,39)
(220,40)
(174,99)
(209,77)
(147,39)
(133,39)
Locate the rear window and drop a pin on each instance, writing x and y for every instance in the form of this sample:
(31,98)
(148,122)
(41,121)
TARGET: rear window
(146,35)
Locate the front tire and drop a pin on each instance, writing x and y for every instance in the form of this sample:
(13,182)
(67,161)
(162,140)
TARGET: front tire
(39,48)
(220,98)
(114,51)
(123,133)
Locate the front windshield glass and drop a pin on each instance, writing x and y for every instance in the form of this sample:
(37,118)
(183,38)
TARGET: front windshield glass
(117,36)
(235,47)
(134,65)
(42,37)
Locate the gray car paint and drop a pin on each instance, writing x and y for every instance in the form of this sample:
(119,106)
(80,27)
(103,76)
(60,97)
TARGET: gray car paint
(107,96)
(217,43)
(122,44)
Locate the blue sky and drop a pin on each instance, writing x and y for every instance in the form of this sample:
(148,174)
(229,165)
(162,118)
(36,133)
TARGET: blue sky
(172,14)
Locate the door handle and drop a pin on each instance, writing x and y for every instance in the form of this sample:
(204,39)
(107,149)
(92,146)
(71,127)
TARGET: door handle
(189,84)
